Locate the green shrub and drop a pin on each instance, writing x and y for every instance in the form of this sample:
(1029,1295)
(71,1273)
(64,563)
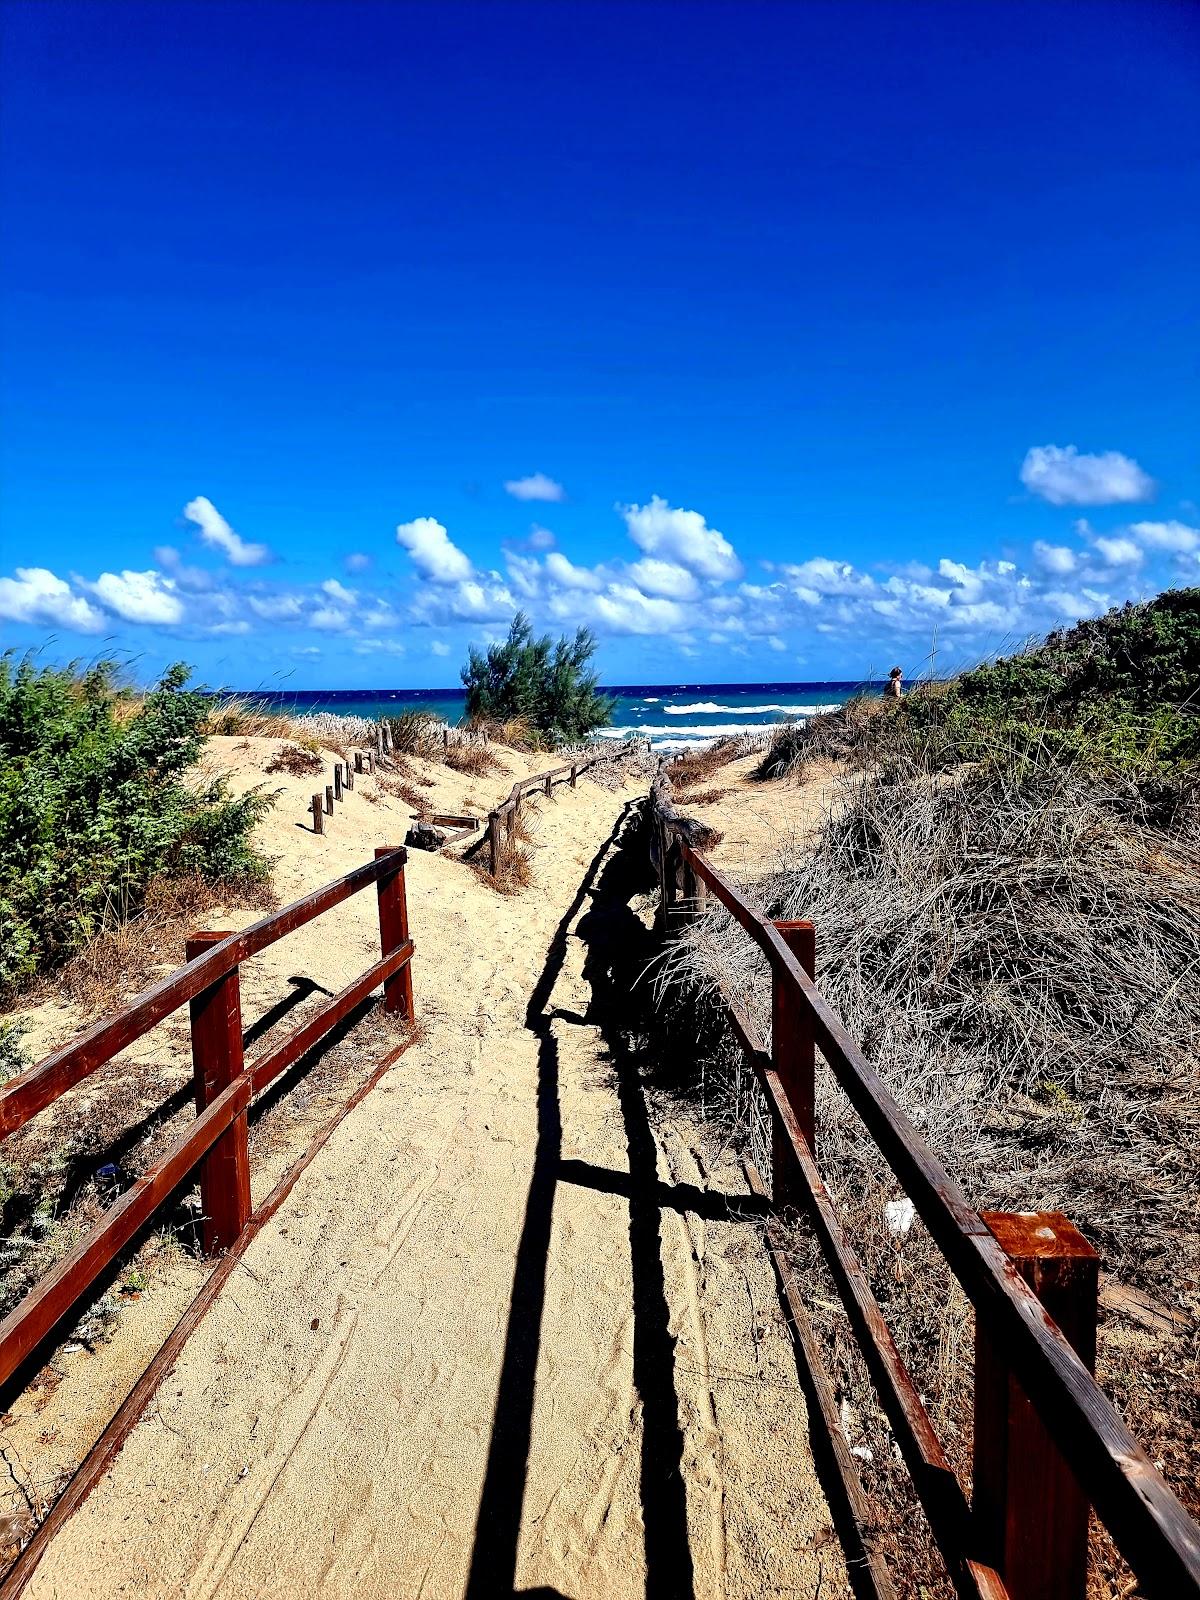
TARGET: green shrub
(94,805)
(547,685)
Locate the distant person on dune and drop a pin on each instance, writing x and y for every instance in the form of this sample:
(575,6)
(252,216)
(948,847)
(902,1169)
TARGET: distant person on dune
(892,689)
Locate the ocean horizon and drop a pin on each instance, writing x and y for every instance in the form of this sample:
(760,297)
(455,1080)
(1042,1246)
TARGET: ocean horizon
(675,716)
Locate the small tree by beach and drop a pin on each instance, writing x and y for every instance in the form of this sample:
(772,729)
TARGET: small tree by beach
(546,685)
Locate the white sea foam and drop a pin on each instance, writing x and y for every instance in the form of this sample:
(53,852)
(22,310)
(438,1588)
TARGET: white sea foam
(650,700)
(719,730)
(707,707)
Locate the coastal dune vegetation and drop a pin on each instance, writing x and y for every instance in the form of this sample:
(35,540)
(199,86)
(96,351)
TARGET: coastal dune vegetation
(1006,889)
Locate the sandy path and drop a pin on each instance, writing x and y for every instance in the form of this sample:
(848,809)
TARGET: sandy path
(499,1338)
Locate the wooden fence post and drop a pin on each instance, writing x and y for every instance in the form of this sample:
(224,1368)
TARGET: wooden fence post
(328,799)
(318,811)
(358,762)
(494,842)
(216,1016)
(349,772)
(793,1055)
(393,931)
(371,762)
(574,769)
(337,780)
(1031,1517)
(547,786)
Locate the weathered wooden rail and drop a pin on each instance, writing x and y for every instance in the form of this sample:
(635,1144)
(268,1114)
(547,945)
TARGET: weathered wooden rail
(500,821)
(225,1085)
(1047,1442)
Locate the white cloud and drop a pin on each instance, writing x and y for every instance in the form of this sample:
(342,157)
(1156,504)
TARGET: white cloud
(275,607)
(1177,537)
(378,647)
(330,619)
(537,486)
(568,575)
(775,642)
(665,578)
(622,608)
(339,593)
(439,647)
(215,531)
(357,561)
(38,595)
(1119,552)
(682,536)
(823,576)
(1056,558)
(427,541)
(139,596)
(540,538)
(1064,477)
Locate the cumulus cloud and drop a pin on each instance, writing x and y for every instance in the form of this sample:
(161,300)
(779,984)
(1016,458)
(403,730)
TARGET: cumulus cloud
(568,575)
(1065,477)
(1058,558)
(139,596)
(1118,551)
(38,595)
(537,486)
(683,537)
(664,578)
(429,545)
(1176,537)
(217,533)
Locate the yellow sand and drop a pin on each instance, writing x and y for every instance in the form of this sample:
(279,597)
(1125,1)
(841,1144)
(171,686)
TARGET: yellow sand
(460,1304)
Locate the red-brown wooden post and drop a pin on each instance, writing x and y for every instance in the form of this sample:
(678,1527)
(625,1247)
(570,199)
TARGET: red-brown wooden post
(393,930)
(329,799)
(793,1055)
(337,780)
(1031,1518)
(216,1015)
(318,811)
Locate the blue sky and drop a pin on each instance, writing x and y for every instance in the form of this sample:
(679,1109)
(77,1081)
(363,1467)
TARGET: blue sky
(802,336)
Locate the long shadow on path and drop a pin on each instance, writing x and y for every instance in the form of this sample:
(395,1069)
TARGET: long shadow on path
(618,946)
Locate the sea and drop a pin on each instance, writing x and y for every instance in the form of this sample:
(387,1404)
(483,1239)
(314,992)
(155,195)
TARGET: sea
(674,716)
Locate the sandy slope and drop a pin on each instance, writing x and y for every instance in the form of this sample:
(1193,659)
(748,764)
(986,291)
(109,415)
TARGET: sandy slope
(498,1337)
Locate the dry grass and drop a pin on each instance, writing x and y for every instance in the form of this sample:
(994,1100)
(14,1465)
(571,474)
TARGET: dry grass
(830,736)
(474,759)
(240,715)
(517,733)
(1017,951)
(693,767)
(296,759)
(121,961)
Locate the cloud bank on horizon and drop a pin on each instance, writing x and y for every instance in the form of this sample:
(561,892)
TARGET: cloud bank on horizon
(677,579)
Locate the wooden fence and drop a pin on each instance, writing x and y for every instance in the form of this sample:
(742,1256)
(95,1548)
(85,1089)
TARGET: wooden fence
(500,821)
(225,1085)
(1048,1442)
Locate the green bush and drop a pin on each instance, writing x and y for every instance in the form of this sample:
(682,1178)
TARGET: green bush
(94,805)
(546,685)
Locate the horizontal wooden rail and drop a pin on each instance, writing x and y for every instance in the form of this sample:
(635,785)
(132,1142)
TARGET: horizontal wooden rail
(267,1067)
(33,1090)
(54,1295)
(225,1087)
(1150,1526)
(501,817)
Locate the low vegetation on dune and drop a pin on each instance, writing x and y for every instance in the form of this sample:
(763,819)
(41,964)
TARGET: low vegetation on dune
(97,802)
(1006,890)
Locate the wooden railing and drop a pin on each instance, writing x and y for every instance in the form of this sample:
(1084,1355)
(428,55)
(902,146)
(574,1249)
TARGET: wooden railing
(500,821)
(225,1085)
(1047,1441)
